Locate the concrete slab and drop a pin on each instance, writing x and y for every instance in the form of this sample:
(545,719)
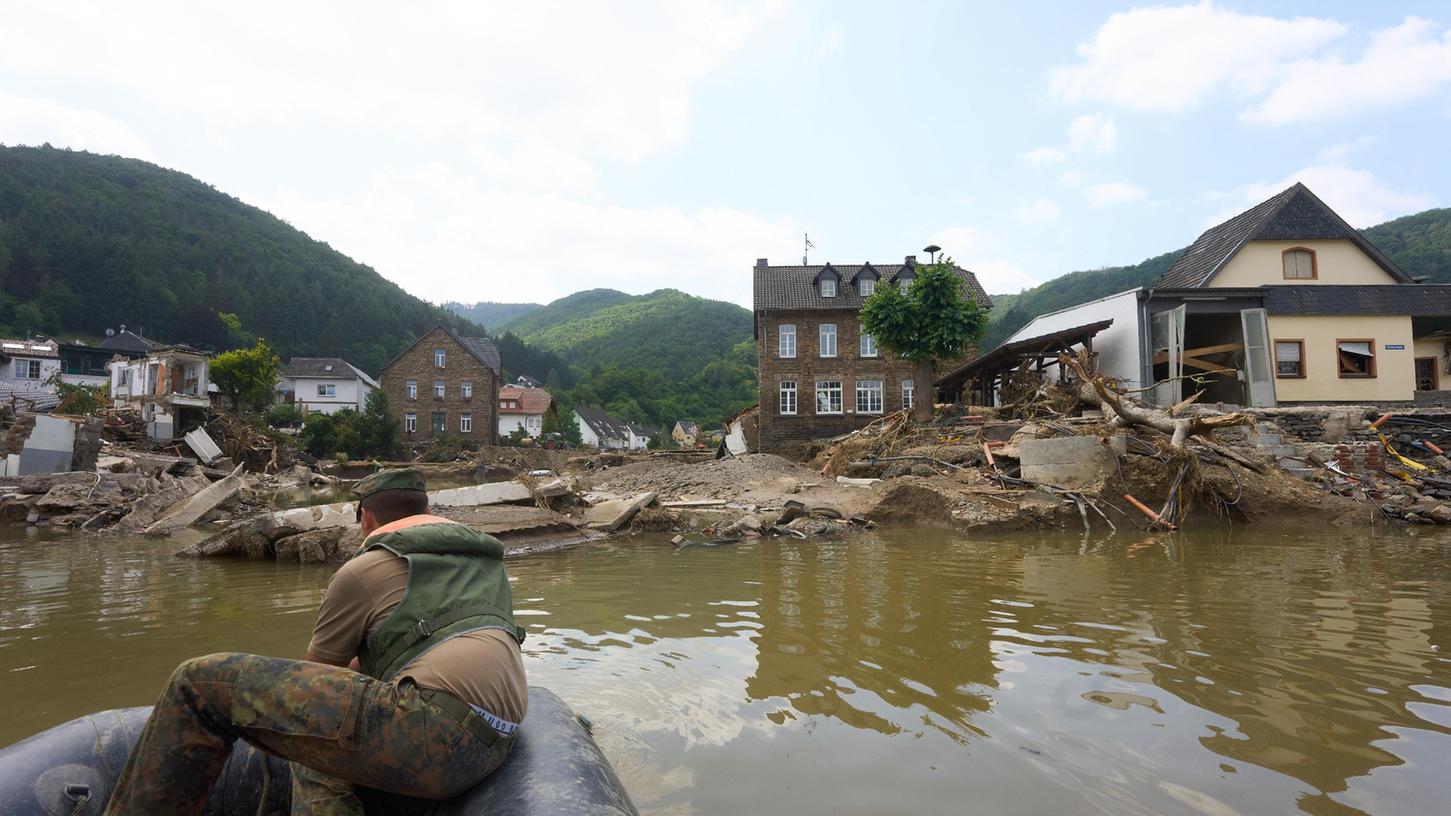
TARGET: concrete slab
(343,513)
(612,515)
(186,512)
(1068,461)
(50,448)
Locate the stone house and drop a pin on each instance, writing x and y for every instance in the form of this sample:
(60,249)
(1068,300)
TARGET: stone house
(820,375)
(445,385)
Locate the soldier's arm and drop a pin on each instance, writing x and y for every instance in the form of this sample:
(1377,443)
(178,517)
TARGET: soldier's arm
(342,620)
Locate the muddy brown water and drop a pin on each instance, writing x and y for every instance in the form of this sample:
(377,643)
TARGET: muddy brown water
(1253,672)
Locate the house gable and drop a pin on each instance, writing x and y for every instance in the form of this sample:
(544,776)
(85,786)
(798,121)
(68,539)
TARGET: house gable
(1335,262)
(1295,216)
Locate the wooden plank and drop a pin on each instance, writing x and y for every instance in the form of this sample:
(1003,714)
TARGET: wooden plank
(1163,357)
(1212,368)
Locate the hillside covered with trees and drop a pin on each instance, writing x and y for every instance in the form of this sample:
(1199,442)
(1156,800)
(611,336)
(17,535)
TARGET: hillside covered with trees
(89,242)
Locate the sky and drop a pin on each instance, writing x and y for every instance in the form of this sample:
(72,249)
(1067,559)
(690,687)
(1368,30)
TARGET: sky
(518,152)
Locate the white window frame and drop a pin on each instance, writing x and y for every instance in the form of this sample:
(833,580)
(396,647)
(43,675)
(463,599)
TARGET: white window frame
(786,341)
(866,286)
(410,389)
(467,390)
(828,287)
(440,357)
(410,423)
(31,369)
(825,389)
(327,390)
(440,389)
(909,393)
(465,423)
(865,391)
(868,345)
(786,400)
(824,331)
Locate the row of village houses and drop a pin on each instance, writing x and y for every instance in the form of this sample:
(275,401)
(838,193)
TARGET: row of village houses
(443,384)
(1283,304)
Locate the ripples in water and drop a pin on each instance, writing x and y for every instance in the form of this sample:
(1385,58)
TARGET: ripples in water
(910,672)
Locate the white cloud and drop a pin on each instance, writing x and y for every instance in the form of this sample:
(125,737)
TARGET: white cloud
(459,238)
(831,43)
(956,241)
(1092,132)
(1170,58)
(36,121)
(1000,276)
(1044,156)
(1039,212)
(1114,192)
(1401,65)
(1357,195)
(1073,178)
(605,84)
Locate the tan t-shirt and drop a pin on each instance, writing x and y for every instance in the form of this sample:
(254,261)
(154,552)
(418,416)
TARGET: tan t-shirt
(483,667)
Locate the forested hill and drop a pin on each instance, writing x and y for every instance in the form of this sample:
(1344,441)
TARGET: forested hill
(88,242)
(1420,244)
(491,315)
(666,330)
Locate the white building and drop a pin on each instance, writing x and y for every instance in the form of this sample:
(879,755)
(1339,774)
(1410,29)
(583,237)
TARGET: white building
(169,386)
(598,429)
(325,385)
(523,407)
(29,363)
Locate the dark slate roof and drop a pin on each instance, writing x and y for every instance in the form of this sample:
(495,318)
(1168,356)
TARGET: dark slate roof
(1414,299)
(791,287)
(128,342)
(1293,215)
(604,425)
(325,368)
(484,349)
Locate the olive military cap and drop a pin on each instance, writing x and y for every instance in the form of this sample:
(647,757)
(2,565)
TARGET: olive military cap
(396,479)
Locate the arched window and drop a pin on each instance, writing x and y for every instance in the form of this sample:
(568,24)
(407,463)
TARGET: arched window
(1300,264)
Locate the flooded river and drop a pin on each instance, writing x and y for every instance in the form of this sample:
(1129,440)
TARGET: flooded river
(911,672)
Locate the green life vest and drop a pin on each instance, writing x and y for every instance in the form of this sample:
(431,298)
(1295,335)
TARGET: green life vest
(456,584)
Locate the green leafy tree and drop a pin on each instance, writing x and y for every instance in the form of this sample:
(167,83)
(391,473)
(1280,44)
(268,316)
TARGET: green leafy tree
(562,423)
(247,376)
(933,319)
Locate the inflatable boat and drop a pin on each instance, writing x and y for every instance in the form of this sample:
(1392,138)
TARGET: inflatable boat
(554,769)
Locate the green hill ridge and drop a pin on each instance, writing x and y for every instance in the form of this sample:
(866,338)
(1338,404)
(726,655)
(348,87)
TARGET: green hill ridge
(88,242)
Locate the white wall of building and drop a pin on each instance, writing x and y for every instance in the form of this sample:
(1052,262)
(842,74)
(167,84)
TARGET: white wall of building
(347,394)
(1117,346)
(586,433)
(49,367)
(533,424)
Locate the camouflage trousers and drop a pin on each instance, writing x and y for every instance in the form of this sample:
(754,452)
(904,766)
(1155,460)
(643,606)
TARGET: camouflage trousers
(337,727)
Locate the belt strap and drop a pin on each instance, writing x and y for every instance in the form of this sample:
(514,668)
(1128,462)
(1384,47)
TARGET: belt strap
(467,716)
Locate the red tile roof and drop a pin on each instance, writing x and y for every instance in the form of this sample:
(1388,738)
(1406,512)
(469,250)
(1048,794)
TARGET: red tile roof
(530,400)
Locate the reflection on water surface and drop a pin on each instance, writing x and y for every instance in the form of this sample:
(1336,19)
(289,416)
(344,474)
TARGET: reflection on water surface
(914,672)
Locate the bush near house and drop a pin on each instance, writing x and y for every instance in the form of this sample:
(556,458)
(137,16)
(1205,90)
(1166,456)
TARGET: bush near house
(371,433)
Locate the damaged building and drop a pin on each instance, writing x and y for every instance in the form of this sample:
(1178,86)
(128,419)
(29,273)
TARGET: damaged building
(168,387)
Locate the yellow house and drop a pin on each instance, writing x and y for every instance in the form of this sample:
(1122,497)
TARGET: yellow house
(1287,303)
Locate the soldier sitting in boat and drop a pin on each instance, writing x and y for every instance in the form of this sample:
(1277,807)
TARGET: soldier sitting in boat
(413,683)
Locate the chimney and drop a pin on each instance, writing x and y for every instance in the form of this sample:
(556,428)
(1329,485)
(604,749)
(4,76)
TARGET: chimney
(760,262)
(911,260)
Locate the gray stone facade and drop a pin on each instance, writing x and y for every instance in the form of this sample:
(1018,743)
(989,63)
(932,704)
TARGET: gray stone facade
(470,419)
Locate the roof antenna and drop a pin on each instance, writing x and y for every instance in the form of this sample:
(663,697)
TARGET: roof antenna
(809,246)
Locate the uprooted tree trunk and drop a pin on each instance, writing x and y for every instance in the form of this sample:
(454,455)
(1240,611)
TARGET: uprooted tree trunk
(1127,411)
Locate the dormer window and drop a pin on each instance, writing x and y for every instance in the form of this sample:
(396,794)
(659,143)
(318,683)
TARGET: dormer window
(828,287)
(826,281)
(866,286)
